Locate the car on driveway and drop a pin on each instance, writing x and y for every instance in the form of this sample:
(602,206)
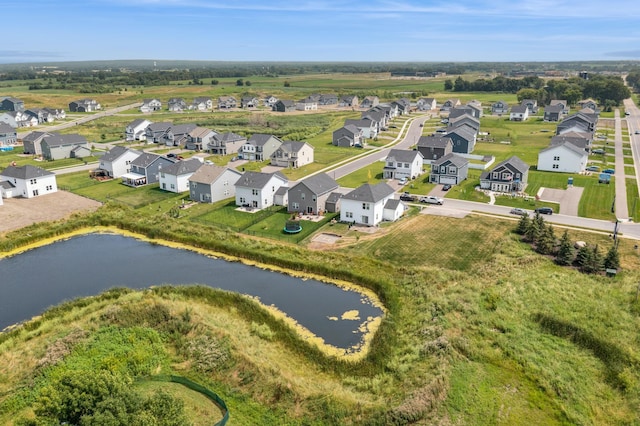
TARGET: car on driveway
(609,171)
(518,211)
(597,151)
(402,181)
(430,199)
(544,210)
(407,197)
(446,187)
(593,169)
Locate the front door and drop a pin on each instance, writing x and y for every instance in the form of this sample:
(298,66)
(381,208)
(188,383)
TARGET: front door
(309,210)
(365,219)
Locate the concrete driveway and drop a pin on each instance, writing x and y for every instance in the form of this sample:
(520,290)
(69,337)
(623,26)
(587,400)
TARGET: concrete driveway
(567,198)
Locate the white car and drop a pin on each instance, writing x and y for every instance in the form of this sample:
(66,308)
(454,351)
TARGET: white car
(430,199)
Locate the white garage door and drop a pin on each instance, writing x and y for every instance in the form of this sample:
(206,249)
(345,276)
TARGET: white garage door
(451,180)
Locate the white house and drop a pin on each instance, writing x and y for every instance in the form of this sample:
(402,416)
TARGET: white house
(117,161)
(565,157)
(135,131)
(402,163)
(175,177)
(257,190)
(393,210)
(365,204)
(27,181)
(519,113)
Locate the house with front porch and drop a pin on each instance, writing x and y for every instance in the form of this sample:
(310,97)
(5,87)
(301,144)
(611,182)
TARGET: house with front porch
(136,130)
(227,102)
(145,169)
(378,117)
(211,183)
(293,154)
(434,147)
(467,119)
(368,127)
(365,205)
(403,163)
(201,103)
(150,105)
(369,102)
(175,177)
(41,114)
(257,190)
(199,138)
(259,147)
(509,176)
(56,146)
(348,135)
(155,132)
(519,113)
(226,143)
(450,169)
(117,161)
(309,196)
(426,104)
(27,182)
(176,104)
(178,134)
(8,136)
(499,108)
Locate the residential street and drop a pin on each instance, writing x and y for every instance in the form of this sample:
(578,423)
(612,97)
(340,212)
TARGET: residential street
(621,208)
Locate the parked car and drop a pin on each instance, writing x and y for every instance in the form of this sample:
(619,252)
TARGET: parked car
(597,151)
(430,199)
(626,113)
(171,155)
(407,197)
(518,211)
(609,171)
(637,132)
(402,181)
(544,210)
(593,169)
(446,187)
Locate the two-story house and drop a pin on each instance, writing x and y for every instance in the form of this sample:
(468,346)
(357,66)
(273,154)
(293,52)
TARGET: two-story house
(199,138)
(56,146)
(449,169)
(145,169)
(434,147)
(176,104)
(310,195)
(150,105)
(369,102)
(368,127)
(155,132)
(227,102)
(293,154)
(201,103)
(31,144)
(365,205)
(211,183)
(136,130)
(257,190)
(84,105)
(175,177)
(11,104)
(259,147)
(226,143)
(519,113)
(402,163)
(348,135)
(510,175)
(8,136)
(499,108)
(426,104)
(117,161)
(27,182)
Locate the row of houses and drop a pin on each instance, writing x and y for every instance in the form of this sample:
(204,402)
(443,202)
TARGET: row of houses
(13,113)
(55,146)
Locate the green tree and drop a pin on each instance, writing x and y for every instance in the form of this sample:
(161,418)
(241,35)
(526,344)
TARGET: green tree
(523,224)
(247,83)
(448,85)
(214,82)
(239,82)
(287,84)
(532,232)
(565,255)
(546,241)
(612,259)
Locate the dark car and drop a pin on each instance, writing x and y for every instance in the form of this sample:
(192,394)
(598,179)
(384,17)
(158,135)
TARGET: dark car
(609,171)
(446,187)
(171,155)
(597,151)
(407,197)
(544,210)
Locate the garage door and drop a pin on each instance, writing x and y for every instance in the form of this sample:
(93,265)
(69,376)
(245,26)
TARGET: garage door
(451,180)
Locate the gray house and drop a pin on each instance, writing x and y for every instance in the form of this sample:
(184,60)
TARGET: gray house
(369,102)
(211,183)
(553,112)
(293,154)
(310,195)
(450,169)
(145,169)
(499,108)
(227,102)
(349,135)
(284,105)
(56,147)
(259,147)
(176,104)
(426,104)
(510,175)
(31,142)
(12,104)
(84,105)
(464,119)
(155,132)
(464,139)
(434,147)
(177,135)
(531,104)
(587,122)
(8,135)
(226,143)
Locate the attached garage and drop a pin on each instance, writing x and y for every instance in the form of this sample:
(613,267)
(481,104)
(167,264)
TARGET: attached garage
(451,180)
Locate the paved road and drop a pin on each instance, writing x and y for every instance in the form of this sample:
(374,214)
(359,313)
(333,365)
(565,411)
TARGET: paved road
(621,207)
(633,124)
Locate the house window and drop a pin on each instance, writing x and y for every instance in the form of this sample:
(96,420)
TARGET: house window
(295,206)
(555,166)
(194,185)
(390,163)
(506,176)
(452,170)
(398,164)
(254,192)
(242,200)
(49,187)
(495,175)
(443,169)
(173,186)
(33,181)
(349,215)
(406,165)
(225,183)
(302,195)
(226,192)
(35,192)
(556,158)
(365,206)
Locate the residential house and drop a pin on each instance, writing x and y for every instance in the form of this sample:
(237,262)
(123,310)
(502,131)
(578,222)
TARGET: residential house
(328,99)
(475,107)
(199,138)
(175,177)
(31,143)
(403,105)
(563,102)
(145,169)
(249,102)
(155,132)
(18,119)
(531,104)
(519,113)
(309,196)
(117,161)
(464,119)
(499,108)
(27,182)
(450,104)
(57,147)
(227,102)
(8,136)
(201,103)
(393,210)
(332,205)
(349,101)
(211,183)
(226,143)
(257,190)
(41,114)
(150,105)
(553,112)
(579,140)
(509,175)
(306,104)
(136,130)
(390,110)
(178,134)
(176,104)
(365,204)
(379,117)
(270,101)
(284,105)
(402,163)
(292,154)
(563,157)
(587,122)
(434,147)
(368,127)
(589,103)
(11,104)
(463,137)
(348,135)
(369,102)
(259,147)
(281,197)
(84,105)
(450,169)
(426,104)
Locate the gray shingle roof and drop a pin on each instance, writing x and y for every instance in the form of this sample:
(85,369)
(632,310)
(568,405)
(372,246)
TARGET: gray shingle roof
(434,141)
(209,173)
(370,193)
(320,183)
(25,172)
(577,141)
(228,137)
(145,159)
(392,204)
(34,136)
(455,159)
(5,128)
(117,151)
(60,140)
(514,161)
(293,146)
(137,122)
(519,109)
(403,155)
(260,139)
(182,167)
(254,180)
(162,126)
(567,145)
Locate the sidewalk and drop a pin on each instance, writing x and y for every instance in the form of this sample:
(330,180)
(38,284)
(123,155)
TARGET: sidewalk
(621,207)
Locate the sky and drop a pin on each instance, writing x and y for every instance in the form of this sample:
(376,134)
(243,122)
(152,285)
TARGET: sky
(323,30)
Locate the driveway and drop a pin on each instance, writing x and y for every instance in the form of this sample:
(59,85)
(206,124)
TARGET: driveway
(567,198)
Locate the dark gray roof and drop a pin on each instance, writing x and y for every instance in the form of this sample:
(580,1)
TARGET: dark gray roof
(320,183)
(255,179)
(293,146)
(6,184)
(228,137)
(455,159)
(334,197)
(182,167)
(370,193)
(577,141)
(365,122)
(519,109)
(160,127)
(60,140)
(392,204)
(5,128)
(515,162)
(403,155)
(145,159)
(352,129)
(115,152)
(137,122)
(464,131)
(281,191)
(553,108)
(34,136)
(567,145)
(183,129)
(434,141)
(25,172)
(260,139)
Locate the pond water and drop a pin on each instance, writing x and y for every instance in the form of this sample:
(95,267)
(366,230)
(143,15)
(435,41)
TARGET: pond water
(90,264)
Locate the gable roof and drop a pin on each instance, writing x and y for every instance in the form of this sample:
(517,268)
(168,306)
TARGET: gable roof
(370,193)
(464,131)
(363,122)
(25,172)
(228,137)
(145,159)
(320,184)
(578,141)
(257,179)
(293,146)
(34,136)
(453,158)
(434,141)
(60,140)
(392,204)
(116,152)
(182,167)
(209,173)
(553,108)
(514,162)
(161,126)
(260,139)
(137,122)
(519,109)
(5,128)
(403,155)
(567,145)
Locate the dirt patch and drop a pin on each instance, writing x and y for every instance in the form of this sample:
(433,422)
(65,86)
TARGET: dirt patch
(326,238)
(17,213)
